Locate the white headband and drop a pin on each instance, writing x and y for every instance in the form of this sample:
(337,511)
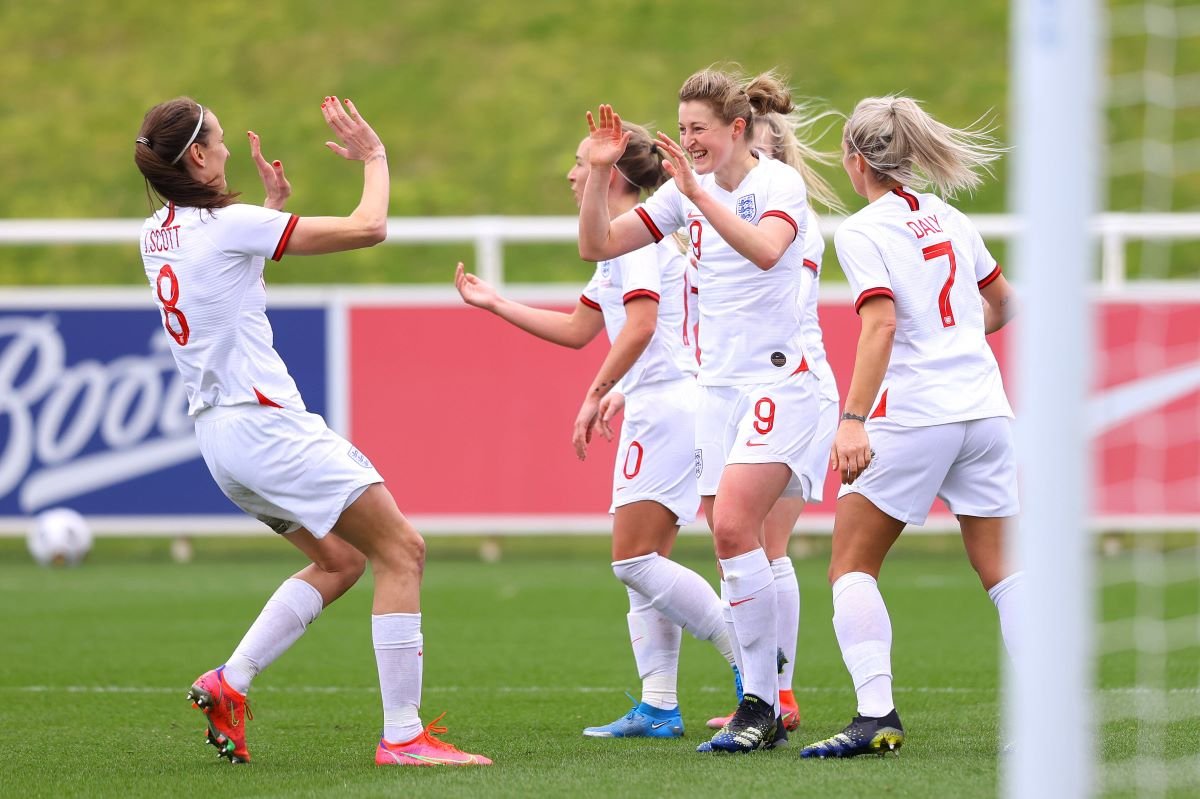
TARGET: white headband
(195,133)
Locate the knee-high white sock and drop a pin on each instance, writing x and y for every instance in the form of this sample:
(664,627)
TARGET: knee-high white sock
(751,589)
(1006,594)
(680,594)
(398,655)
(285,617)
(864,632)
(787,604)
(655,641)
(727,615)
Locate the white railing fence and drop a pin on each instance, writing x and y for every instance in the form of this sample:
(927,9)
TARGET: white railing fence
(489,234)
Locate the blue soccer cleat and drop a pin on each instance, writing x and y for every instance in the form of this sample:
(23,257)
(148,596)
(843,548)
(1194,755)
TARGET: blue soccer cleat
(643,721)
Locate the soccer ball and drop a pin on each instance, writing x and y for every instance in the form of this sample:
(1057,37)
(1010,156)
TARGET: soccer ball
(59,537)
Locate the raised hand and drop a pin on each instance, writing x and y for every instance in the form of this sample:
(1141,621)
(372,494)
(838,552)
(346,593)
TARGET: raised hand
(678,166)
(273,179)
(358,141)
(475,290)
(606,140)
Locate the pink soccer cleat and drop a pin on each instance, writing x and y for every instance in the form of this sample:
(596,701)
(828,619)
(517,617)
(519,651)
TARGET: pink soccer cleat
(227,712)
(425,750)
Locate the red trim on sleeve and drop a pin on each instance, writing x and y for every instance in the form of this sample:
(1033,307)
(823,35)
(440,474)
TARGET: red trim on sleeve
(869,293)
(170,215)
(262,400)
(991,278)
(785,218)
(636,293)
(649,223)
(589,302)
(880,409)
(813,266)
(283,240)
(913,203)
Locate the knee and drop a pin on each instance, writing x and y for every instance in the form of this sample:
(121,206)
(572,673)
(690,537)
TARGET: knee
(347,564)
(403,550)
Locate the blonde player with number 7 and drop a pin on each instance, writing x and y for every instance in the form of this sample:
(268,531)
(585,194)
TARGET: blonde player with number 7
(926,414)
(204,256)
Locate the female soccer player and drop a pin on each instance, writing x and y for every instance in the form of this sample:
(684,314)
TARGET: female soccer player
(642,299)
(926,414)
(746,218)
(204,255)
(775,135)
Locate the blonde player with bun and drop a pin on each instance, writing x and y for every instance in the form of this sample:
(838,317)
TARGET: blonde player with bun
(926,414)
(745,217)
(778,136)
(643,298)
(204,256)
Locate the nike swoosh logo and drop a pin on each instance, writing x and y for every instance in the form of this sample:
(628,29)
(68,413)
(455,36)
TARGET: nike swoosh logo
(756,443)
(622,488)
(1121,403)
(740,602)
(659,724)
(694,215)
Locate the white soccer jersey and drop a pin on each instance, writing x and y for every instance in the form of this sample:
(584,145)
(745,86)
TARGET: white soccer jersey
(206,274)
(659,272)
(929,258)
(808,297)
(749,320)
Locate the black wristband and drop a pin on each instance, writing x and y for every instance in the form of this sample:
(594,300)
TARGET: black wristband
(847,416)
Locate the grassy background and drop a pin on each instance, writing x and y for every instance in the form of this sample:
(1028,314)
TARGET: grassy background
(522,653)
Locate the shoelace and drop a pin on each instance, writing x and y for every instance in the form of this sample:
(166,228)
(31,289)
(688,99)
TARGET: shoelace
(247,714)
(432,728)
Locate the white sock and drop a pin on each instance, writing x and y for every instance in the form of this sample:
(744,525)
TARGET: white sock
(655,641)
(680,594)
(751,589)
(787,604)
(285,617)
(1006,595)
(727,614)
(398,654)
(864,632)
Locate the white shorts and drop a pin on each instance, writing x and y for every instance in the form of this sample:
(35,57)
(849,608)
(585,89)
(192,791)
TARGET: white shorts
(285,468)
(768,423)
(971,465)
(656,459)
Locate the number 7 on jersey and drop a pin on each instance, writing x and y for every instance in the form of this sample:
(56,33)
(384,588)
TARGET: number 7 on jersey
(937,251)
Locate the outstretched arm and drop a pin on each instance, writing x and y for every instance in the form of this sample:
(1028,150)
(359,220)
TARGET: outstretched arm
(601,237)
(366,226)
(572,330)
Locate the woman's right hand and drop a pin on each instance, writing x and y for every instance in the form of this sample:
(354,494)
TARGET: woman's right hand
(607,141)
(358,141)
(610,406)
(475,290)
(852,451)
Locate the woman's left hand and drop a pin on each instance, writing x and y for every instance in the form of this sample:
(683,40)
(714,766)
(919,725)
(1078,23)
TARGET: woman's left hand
(678,166)
(274,181)
(852,451)
(585,423)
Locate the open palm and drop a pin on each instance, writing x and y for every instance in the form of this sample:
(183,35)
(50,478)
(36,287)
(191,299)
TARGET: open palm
(606,140)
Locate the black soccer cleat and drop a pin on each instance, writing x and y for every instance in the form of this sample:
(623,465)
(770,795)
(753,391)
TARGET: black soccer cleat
(752,727)
(863,736)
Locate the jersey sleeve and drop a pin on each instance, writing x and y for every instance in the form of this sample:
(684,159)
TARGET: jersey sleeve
(986,268)
(662,213)
(814,247)
(252,230)
(641,273)
(863,264)
(591,292)
(788,200)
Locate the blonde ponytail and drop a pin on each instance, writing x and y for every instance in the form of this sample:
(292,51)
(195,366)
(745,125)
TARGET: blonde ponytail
(903,144)
(786,135)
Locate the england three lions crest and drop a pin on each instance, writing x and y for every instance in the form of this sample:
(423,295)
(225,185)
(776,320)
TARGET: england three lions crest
(746,209)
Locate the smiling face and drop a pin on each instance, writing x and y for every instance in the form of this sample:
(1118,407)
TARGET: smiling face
(710,141)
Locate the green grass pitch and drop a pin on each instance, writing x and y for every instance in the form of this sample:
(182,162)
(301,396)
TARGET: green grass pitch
(522,654)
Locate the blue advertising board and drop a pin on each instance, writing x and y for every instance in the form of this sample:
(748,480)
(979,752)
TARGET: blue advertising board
(93,414)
